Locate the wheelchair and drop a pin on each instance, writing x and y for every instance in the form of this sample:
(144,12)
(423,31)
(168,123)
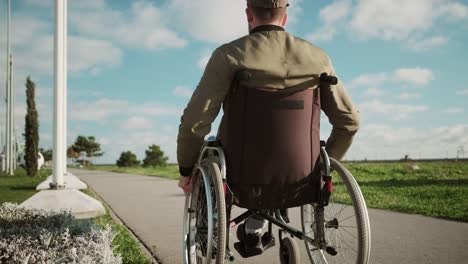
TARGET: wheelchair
(334,225)
(334,230)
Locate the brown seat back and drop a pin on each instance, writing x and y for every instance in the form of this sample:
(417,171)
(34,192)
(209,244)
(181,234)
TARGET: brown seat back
(272,144)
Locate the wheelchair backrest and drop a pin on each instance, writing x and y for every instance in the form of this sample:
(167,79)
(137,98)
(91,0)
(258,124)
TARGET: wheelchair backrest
(272,144)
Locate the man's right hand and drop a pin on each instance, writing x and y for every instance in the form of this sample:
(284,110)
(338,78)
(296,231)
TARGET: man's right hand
(185,183)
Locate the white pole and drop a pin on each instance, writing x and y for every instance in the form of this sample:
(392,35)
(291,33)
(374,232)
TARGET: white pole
(10,119)
(58,153)
(3,149)
(65,81)
(13,119)
(7,121)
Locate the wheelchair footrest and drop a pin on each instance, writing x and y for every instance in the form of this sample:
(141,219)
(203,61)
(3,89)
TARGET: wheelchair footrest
(268,241)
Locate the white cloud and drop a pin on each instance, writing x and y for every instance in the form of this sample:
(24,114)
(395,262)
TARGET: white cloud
(152,109)
(330,16)
(144,26)
(73,4)
(217,21)
(418,76)
(86,4)
(394,112)
(409,76)
(427,44)
(148,25)
(183,91)
(374,92)
(91,55)
(321,35)
(137,123)
(376,141)
(462,92)
(294,11)
(38,3)
(454,110)
(368,80)
(395,19)
(203,61)
(407,96)
(32,38)
(100,110)
(455,10)
(104,109)
(410,22)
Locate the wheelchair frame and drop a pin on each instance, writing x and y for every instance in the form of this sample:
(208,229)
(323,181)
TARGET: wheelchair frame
(211,148)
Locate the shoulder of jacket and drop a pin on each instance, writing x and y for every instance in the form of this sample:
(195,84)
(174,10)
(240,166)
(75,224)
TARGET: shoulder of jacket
(312,48)
(234,44)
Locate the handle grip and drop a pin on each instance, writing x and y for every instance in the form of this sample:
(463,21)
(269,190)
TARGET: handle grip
(325,78)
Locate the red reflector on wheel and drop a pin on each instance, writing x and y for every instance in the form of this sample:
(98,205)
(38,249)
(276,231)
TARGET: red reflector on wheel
(330,186)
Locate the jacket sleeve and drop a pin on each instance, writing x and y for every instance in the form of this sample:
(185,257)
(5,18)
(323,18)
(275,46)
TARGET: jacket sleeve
(202,110)
(343,116)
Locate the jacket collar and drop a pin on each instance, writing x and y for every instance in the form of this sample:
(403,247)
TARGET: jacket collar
(266,28)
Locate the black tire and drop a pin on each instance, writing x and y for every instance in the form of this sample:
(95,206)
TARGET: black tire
(352,248)
(289,251)
(220,210)
(197,242)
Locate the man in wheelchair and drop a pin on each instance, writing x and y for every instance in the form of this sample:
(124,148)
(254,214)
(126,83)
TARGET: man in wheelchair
(269,86)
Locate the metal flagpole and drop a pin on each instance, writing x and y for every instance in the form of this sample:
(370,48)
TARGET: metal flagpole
(65,81)
(13,119)
(59,43)
(10,120)
(10,124)
(70,199)
(7,120)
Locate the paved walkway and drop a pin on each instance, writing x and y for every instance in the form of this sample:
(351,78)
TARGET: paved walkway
(152,207)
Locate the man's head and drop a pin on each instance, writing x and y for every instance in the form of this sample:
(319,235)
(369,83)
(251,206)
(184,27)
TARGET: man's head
(266,12)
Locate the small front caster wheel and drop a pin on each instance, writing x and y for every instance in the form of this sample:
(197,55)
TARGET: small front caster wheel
(289,251)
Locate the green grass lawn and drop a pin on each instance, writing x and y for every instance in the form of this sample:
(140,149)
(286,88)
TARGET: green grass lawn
(438,189)
(20,187)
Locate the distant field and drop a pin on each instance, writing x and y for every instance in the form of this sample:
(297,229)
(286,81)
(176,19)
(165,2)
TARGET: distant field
(170,171)
(438,189)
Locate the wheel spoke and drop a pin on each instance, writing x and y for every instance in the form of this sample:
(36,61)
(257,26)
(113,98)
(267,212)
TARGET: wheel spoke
(342,220)
(350,233)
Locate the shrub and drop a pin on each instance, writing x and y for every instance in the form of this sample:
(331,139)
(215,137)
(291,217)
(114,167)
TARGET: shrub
(154,157)
(35,236)
(31,130)
(127,159)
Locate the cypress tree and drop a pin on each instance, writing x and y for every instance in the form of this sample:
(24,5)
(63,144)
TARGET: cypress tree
(31,130)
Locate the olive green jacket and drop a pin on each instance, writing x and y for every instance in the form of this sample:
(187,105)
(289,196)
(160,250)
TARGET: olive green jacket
(277,60)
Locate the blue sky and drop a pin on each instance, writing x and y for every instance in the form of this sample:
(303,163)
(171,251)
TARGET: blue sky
(134,64)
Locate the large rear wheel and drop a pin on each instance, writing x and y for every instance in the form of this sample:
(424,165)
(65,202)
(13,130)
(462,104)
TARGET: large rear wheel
(347,227)
(205,217)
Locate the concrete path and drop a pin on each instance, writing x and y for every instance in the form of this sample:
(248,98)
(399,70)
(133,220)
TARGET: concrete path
(152,207)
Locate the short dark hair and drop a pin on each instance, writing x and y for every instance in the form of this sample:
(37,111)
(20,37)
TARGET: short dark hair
(268,14)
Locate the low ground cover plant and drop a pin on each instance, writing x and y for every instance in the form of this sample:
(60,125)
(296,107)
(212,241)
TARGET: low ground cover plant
(35,236)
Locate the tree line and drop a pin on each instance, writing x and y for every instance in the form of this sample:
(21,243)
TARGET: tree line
(154,157)
(86,148)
